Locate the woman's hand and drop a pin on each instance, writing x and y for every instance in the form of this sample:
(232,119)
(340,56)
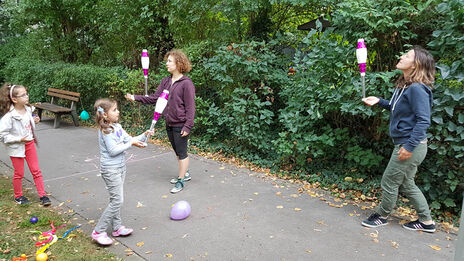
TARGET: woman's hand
(129,97)
(183,133)
(403,154)
(371,100)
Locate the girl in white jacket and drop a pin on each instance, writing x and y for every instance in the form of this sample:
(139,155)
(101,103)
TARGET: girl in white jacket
(17,132)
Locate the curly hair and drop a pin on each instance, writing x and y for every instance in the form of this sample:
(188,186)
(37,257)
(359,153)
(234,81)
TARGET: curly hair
(5,98)
(104,104)
(182,61)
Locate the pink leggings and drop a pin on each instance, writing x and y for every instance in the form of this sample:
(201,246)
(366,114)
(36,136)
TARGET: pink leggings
(33,164)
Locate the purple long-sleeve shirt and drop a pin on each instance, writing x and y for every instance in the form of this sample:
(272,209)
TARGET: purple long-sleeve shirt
(180,110)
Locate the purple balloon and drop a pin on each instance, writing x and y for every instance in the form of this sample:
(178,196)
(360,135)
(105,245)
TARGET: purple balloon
(180,210)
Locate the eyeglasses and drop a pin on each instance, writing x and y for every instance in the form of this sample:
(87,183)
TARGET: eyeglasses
(24,95)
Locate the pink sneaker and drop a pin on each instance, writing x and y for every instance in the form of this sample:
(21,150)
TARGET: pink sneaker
(122,231)
(102,238)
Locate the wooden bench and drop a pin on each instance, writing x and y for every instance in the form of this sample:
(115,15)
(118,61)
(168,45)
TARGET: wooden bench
(72,97)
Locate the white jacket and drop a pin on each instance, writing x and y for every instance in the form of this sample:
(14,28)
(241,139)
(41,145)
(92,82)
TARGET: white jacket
(12,130)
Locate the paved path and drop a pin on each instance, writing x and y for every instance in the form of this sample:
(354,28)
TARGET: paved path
(234,211)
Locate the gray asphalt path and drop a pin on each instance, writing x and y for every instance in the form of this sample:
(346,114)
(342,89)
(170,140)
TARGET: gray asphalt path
(237,214)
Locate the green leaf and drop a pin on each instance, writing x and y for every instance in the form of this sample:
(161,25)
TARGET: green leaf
(449,202)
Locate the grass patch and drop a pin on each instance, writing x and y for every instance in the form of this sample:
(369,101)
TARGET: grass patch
(16,238)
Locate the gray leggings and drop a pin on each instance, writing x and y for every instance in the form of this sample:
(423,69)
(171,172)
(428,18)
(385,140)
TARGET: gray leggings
(111,216)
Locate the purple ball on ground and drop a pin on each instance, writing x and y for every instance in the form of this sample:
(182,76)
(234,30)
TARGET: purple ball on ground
(33,220)
(180,210)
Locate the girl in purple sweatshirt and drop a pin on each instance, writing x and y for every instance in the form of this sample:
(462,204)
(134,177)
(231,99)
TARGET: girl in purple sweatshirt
(179,113)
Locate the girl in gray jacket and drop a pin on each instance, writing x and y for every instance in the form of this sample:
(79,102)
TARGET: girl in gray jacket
(113,141)
(17,132)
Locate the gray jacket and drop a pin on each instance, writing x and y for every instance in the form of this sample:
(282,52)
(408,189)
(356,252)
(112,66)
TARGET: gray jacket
(113,147)
(12,130)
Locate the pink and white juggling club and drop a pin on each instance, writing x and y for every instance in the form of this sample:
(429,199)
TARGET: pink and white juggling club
(361,55)
(145,65)
(159,108)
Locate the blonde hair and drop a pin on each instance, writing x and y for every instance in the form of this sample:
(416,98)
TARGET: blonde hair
(7,92)
(423,72)
(182,61)
(101,106)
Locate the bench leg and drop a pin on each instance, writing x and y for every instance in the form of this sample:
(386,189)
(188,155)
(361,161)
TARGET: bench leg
(75,119)
(56,124)
(39,113)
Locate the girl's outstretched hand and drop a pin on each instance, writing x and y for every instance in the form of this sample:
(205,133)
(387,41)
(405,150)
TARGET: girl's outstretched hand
(371,100)
(36,119)
(138,143)
(129,97)
(25,140)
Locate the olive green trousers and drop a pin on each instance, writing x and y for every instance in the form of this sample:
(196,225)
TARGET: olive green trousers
(398,177)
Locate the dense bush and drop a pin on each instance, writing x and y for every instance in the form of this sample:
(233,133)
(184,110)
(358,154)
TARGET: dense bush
(309,120)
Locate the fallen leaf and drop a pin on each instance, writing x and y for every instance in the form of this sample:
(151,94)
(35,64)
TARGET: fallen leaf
(317,230)
(222,167)
(139,204)
(91,221)
(148,252)
(394,244)
(143,228)
(308,251)
(294,195)
(164,196)
(256,193)
(280,207)
(437,248)
(278,193)
(140,244)
(375,240)
(297,209)
(168,255)
(61,204)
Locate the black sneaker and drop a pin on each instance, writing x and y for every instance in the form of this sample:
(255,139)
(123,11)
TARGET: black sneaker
(419,226)
(45,201)
(375,221)
(22,200)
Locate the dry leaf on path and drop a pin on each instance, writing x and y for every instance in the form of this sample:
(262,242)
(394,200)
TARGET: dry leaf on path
(148,252)
(297,209)
(280,207)
(139,204)
(164,196)
(437,248)
(278,193)
(222,167)
(168,255)
(140,244)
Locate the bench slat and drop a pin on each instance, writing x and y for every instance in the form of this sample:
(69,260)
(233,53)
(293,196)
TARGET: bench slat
(60,91)
(51,107)
(62,96)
